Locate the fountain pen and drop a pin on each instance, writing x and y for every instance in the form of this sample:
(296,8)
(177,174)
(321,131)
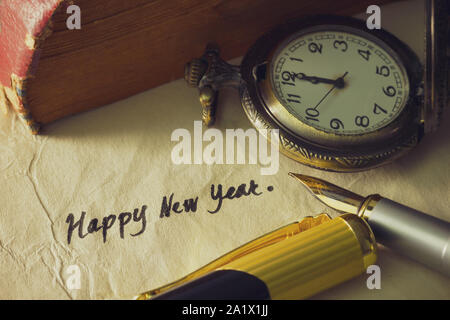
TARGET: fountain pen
(412,233)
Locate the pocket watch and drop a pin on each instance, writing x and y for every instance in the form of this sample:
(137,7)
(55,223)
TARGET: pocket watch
(343,98)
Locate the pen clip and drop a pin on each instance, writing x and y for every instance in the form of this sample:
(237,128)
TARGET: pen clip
(259,243)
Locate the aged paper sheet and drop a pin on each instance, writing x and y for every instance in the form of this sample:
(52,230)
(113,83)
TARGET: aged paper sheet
(117,160)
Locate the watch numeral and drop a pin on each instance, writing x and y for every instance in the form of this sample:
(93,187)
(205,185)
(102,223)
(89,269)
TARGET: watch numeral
(296,59)
(312,113)
(314,47)
(389,91)
(383,71)
(294,96)
(362,121)
(336,124)
(365,54)
(377,109)
(340,44)
(288,78)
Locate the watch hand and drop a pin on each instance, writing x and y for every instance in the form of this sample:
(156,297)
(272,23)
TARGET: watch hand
(315,80)
(339,80)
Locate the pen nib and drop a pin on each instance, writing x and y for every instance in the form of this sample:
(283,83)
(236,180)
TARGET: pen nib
(331,195)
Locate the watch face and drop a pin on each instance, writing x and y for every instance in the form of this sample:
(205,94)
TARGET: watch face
(339,79)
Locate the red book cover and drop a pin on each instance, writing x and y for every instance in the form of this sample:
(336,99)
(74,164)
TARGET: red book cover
(24,25)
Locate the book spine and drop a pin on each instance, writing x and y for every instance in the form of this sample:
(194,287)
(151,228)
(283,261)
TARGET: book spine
(24,25)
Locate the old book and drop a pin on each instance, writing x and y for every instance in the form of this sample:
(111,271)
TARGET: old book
(48,71)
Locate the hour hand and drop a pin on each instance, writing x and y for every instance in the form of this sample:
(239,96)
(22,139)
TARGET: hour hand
(338,83)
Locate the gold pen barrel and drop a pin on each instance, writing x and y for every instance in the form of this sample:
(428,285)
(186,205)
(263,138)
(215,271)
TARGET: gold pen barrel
(293,262)
(314,260)
(257,244)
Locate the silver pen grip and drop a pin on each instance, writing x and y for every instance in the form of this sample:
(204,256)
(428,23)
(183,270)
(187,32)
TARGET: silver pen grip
(412,233)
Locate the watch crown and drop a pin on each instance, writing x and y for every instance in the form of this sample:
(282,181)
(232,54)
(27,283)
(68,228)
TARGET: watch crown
(194,71)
